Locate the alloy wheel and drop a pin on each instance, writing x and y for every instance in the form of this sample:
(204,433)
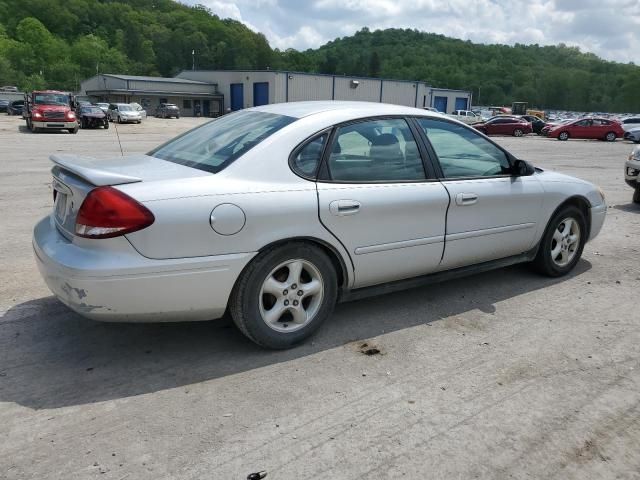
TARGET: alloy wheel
(565,242)
(291,295)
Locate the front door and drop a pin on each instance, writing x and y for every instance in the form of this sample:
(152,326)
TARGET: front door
(377,200)
(206,108)
(492,213)
(237,96)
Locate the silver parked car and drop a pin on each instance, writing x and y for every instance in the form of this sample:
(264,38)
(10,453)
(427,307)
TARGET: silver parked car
(274,213)
(124,113)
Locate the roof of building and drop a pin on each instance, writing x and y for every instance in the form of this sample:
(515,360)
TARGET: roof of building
(154,79)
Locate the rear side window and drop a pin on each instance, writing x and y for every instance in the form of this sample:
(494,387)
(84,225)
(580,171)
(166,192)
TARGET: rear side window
(216,144)
(306,159)
(375,151)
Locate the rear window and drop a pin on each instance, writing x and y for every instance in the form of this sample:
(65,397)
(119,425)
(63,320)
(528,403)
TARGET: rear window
(216,144)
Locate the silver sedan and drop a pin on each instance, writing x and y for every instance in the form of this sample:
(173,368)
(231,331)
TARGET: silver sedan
(275,213)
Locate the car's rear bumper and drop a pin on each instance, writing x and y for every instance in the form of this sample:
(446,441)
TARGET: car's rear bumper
(116,283)
(598,215)
(55,124)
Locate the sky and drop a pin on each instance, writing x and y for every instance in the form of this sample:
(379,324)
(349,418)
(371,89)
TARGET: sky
(608,28)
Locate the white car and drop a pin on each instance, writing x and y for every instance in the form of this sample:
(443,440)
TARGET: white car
(274,213)
(630,123)
(632,173)
(138,108)
(466,116)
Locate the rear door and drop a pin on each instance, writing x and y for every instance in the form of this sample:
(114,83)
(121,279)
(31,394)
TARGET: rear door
(376,197)
(492,213)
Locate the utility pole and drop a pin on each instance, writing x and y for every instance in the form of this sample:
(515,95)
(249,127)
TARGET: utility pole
(193,58)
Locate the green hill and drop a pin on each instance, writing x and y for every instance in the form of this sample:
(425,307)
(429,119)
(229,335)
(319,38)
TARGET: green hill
(58,44)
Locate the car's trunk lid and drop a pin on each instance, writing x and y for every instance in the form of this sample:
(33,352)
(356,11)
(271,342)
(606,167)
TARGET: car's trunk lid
(74,177)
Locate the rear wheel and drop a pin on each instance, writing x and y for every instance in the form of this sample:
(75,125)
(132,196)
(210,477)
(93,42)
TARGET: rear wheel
(518,133)
(563,136)
(562,243)
(284,295)
(636,194)
(610,137)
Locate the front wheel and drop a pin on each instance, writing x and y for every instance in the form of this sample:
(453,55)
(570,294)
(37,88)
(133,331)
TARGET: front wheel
(563,136)
(562,243)
(284,295)
(610,137)
(74,130)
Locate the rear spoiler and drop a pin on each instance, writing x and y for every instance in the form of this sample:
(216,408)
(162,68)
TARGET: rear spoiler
(92,170)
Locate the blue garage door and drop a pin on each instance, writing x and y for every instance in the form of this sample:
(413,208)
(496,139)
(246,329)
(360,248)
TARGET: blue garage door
(461,103)
(237,96)
(440,103)
(260,93)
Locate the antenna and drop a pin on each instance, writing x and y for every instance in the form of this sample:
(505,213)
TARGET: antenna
(115,125)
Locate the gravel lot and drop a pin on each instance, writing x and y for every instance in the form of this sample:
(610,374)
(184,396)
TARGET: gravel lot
(500,375)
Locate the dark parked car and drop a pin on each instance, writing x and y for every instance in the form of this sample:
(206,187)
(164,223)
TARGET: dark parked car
(537,124)
(3,105)
(15,107)
(591,128)
(167,110)
(91,116)
(504,125)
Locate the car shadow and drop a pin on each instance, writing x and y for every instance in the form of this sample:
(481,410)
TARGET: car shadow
(51,357)
(628,207)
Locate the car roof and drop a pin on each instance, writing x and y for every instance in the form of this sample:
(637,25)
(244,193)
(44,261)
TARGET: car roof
(359,109)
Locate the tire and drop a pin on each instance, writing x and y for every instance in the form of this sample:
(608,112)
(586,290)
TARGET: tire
(610,137)
(563,136)
(83,124)
(518,132)
(177,117)
(74,130)
(557,253)
(251,300)
(34,129)
(119,119)
(106,125)
(636,194)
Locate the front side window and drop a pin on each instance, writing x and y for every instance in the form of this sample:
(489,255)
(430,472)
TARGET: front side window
(375,151)
(214,145)
(306,160)
(462,152)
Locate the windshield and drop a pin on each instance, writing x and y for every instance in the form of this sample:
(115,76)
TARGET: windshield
(216,144)
(91,110)
(51,99)
(125,108)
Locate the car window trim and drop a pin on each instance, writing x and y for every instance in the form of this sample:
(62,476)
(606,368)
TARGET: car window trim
(510,158)
(324,175)
(327,131)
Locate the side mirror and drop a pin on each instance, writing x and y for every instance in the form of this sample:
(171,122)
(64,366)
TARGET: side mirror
(522,168)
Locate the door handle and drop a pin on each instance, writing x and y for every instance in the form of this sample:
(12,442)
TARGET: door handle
(466,199)
(344,207)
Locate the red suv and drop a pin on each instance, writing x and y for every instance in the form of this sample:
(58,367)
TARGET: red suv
(503,125)
(594,128)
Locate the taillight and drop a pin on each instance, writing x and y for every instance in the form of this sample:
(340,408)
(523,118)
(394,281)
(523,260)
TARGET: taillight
(107,212)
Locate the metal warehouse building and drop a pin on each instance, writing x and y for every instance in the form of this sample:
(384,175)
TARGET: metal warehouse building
(248,88)
(214,92)
(189,95)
